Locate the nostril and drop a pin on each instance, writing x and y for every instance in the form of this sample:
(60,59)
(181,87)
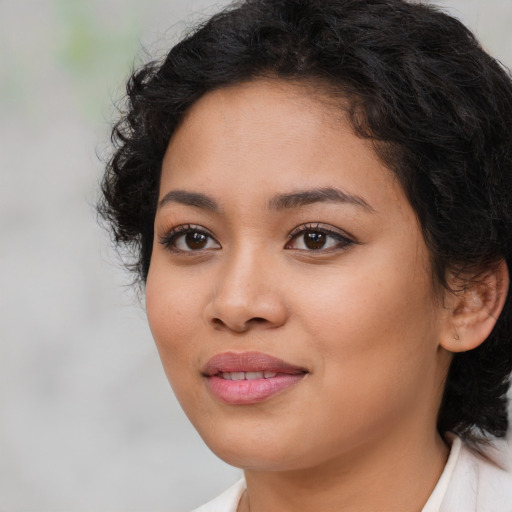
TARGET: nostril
(258,320)
(217,321)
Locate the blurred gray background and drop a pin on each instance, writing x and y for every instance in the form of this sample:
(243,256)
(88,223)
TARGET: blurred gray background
(87,419)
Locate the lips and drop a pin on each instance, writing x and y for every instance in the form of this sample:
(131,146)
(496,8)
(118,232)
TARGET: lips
(249,377)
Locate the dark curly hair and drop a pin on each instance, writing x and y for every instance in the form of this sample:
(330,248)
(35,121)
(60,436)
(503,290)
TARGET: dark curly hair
(436,106)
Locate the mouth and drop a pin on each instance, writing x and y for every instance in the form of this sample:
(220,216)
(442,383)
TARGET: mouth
(249,377)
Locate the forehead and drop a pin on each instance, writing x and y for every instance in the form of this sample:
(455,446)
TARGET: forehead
(258,112)
(264,135)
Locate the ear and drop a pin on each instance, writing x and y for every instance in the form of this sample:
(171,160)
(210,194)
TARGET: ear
(472,310)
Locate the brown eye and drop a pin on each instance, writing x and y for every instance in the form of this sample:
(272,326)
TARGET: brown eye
(189,239)
(315,240)
(196,240)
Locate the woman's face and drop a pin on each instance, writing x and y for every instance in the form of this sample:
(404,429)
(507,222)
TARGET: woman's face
(290,292)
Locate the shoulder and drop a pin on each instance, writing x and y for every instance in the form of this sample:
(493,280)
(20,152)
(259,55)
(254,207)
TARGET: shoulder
(225,502)
(490,473)
(480,479)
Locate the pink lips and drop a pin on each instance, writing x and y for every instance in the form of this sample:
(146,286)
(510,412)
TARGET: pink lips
(249,377)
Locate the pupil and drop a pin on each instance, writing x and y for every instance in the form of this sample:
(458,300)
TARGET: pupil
(314,240)
(195,240)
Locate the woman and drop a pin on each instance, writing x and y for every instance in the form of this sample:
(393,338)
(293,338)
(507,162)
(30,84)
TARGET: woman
(318,197)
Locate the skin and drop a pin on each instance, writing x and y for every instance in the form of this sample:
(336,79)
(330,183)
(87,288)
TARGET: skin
(358,432)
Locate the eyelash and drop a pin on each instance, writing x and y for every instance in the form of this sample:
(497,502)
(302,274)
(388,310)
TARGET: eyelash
(169,240)
(343,240)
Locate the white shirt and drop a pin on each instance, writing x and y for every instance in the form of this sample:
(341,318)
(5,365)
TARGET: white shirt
(470,482)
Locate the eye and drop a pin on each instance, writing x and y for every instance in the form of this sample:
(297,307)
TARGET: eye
(317,238)
(189,238)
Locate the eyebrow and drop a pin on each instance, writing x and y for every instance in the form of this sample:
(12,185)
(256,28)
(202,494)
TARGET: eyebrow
(279,202)
(318,195)
(189,199)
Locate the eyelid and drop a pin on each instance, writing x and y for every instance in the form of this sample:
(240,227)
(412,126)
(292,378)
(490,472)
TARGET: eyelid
(169,238)
(341,235)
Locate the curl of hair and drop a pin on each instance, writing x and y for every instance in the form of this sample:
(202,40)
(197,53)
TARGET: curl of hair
(436,106)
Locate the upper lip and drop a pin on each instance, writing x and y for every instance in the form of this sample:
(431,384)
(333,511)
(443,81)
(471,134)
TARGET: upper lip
(248,362)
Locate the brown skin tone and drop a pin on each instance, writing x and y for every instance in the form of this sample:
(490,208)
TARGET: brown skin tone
(360,312)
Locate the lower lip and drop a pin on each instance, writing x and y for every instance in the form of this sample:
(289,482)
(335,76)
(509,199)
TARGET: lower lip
(246,392)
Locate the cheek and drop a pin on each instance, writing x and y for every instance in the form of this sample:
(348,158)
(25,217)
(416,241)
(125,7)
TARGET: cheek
(173,313)
(377,337)
(377,315)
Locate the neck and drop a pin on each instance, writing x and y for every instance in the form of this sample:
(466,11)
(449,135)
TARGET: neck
(397,475)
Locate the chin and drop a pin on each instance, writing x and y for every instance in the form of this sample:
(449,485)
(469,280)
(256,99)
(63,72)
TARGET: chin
(260,449)
(258,458)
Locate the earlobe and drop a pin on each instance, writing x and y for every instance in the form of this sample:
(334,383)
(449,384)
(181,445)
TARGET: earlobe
(472,311)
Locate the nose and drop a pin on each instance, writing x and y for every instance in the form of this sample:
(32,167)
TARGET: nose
(246,295)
